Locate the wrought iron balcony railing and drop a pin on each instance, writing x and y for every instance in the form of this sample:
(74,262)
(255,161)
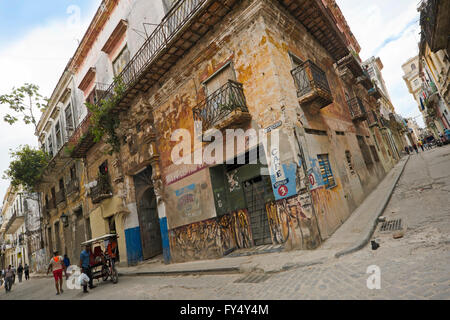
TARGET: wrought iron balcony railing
(173,22)
(60,196)
(82,139)
(372,118)
(357,109)
(102,190)
(225,106)
(312,85)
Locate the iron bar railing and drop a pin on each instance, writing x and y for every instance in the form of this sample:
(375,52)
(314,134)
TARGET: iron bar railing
(356,107)
(219,104)
(102,190)
(308,76)
(158,40)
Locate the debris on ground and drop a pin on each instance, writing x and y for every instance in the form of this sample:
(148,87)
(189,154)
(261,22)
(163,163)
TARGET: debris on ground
(374,244)
(398,235)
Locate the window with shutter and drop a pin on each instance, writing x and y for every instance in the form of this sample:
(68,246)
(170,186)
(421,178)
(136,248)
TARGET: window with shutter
(325,171)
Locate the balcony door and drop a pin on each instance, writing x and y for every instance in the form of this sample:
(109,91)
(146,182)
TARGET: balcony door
(151,239)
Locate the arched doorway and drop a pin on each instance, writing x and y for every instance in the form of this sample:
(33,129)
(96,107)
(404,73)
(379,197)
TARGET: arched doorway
(148,215)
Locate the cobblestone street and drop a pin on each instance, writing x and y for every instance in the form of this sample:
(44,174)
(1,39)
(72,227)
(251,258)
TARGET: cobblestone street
(414,266)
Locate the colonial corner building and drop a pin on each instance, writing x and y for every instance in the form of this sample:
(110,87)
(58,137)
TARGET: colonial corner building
(288,67)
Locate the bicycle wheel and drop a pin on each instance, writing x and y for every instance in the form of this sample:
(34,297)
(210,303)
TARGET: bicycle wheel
(114,275)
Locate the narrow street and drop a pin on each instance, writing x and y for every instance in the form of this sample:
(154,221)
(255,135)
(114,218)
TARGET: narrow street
(414,266)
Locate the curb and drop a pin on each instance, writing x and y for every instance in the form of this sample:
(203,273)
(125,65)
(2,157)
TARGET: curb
(367,237)
(229,270)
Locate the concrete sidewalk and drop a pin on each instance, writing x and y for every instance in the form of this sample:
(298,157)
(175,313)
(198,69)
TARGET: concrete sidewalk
(353,235)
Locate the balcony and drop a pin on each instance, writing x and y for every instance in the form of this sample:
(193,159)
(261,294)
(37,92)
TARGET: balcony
(364,79)
(384,124)
(60,196)
(73,186)
(14,222)
(82,139)
(357,109)
(312,86)
(319,21)
(351,62)
(186,23)
(375,92)
(102,190)
(225,107)
(372,119)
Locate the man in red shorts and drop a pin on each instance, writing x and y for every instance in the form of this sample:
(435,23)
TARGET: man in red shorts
(57,265)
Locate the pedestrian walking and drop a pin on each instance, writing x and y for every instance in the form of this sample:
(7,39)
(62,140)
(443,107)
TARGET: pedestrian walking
(14,274)
(85,264)
(9,275)
(66,263)
(57,266)
(27,271)
(20,272)
(415,148)
(411,149)
(421,145)
(406,150)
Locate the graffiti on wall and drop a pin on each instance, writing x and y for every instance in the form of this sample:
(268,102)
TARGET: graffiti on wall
(293,223)
(211,238)
(38,261)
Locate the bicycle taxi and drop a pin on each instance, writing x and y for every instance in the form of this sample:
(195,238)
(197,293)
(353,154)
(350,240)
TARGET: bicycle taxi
(103,256)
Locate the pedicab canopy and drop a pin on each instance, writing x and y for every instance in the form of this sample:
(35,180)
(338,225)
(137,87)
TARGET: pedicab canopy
(99,239)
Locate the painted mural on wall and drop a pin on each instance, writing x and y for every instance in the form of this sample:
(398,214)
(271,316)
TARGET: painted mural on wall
(211,238)
(293,223)
(188,200)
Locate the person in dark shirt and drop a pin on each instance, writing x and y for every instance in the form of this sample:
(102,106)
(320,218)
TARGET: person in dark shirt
(85,258)
(27,271)
(20,272)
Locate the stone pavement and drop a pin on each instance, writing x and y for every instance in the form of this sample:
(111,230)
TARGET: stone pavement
(415,266)
(352,235)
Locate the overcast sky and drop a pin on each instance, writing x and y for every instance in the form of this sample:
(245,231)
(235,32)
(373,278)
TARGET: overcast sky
(37,38)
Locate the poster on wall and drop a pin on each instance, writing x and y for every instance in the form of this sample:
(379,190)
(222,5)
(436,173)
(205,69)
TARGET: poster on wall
(282,176)
(314,176)
(188,200)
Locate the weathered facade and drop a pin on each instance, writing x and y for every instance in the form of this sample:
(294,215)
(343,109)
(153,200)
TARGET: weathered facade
(20,231)
(284,75)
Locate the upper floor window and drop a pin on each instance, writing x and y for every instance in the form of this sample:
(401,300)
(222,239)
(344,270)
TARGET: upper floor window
(219,79)
(70,125)
(58,135)
(121,61)
(416,82)
(50,145)
(413,66)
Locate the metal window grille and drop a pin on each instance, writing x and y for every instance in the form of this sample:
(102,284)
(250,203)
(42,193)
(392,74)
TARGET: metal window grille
(325,170)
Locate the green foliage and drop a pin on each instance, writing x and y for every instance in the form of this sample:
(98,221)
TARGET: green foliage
(27,167)
(102,121)
(22,101)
